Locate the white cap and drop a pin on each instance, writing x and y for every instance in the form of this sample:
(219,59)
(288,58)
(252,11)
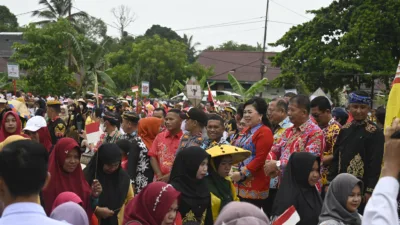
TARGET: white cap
(35,123)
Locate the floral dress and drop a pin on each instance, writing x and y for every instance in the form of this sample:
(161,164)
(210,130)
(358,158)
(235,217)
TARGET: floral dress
(142,173)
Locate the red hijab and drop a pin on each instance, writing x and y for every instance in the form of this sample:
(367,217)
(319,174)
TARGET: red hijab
(45,138)
(144,208)
(148,129)
(3,133)
(66,197)
(62,181)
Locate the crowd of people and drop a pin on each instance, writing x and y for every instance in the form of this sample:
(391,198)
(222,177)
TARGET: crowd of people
(157,163)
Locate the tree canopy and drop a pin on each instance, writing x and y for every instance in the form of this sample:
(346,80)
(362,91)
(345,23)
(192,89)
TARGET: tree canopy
(234,46)
(348,42)
(44,57)
(163,32)
(8,21)
(56,10)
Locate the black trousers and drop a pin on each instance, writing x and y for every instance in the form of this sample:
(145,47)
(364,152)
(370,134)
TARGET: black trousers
(269,202)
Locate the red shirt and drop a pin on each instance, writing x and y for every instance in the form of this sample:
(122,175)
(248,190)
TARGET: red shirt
(258,140)
(164,148)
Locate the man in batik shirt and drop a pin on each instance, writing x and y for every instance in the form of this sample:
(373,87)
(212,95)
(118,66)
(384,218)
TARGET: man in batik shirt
(165,145)
(130,121)
(215,132)
(196,120)
(321,111)
(359,147)
(277,115)
(304,136)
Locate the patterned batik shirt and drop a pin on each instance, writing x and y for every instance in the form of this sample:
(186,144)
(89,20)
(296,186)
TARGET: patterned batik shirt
(282,126)
(129,137)
(306,138)
(189,140)
(331,132)
(164,148)
(208,143)
(144,172)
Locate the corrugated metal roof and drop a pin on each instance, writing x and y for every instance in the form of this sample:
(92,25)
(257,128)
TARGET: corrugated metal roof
(245,66)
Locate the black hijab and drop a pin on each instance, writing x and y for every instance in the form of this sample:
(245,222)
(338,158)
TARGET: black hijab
(115,186)
(295,189)
(194,192)
(218,185)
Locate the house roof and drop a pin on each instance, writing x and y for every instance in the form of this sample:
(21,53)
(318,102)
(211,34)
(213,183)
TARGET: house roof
(245,66)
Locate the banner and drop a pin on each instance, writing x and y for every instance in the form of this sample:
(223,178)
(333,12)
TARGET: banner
(145,88)
(393,104)
(13,70)
(135,88)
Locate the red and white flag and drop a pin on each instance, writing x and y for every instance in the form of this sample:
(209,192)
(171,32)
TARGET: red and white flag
(129,98)
(289,217)
(90,105)
(93,133)
(209,97)
(135,88)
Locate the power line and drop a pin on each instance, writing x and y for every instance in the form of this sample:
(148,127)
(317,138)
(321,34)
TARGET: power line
(235,24)
(30,11)
(291,10)
(219,24)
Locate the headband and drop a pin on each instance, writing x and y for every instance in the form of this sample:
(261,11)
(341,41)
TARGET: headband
(354,98)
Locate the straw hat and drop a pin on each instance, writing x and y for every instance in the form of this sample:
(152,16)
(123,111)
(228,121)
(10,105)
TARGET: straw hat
(238,154)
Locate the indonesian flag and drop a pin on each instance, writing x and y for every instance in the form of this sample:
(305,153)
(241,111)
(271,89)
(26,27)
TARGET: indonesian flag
(129,98)
(93,133)
(289,217)
(90,105)
(209,97)
(393,104)
(135,88)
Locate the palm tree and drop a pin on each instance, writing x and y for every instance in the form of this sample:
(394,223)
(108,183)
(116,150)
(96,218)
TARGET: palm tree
(255,89)
(91,70)
(56,9)
(191,47)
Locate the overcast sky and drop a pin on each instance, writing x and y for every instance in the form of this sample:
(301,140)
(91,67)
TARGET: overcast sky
(183,14)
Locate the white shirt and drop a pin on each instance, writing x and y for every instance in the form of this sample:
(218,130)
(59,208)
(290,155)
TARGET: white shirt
(381,208)
(27,213)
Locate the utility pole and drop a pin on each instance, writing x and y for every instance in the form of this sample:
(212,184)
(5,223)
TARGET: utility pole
(263,66)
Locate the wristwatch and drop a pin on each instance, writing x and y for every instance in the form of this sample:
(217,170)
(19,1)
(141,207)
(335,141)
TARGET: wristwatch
(278,164)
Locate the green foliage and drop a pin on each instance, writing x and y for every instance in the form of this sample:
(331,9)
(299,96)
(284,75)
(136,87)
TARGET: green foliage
(191,48)
(163,32)
(234,46)
(255,89)
(342,43)
(94,29)
(44,57)
(57,9)
(161,61)
(174,89)
(8,21)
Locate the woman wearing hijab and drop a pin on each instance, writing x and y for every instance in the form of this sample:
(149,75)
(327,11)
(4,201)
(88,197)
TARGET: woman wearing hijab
(66,175)
(71,213)
(341,201)
(298,188)
(139,168)
(66,197)
(218,181)
(187,177)
(10,125)
(105,166)
(242,213)
(157,204)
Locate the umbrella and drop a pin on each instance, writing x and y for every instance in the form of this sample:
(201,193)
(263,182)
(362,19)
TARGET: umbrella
(238,154)
(19,108)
